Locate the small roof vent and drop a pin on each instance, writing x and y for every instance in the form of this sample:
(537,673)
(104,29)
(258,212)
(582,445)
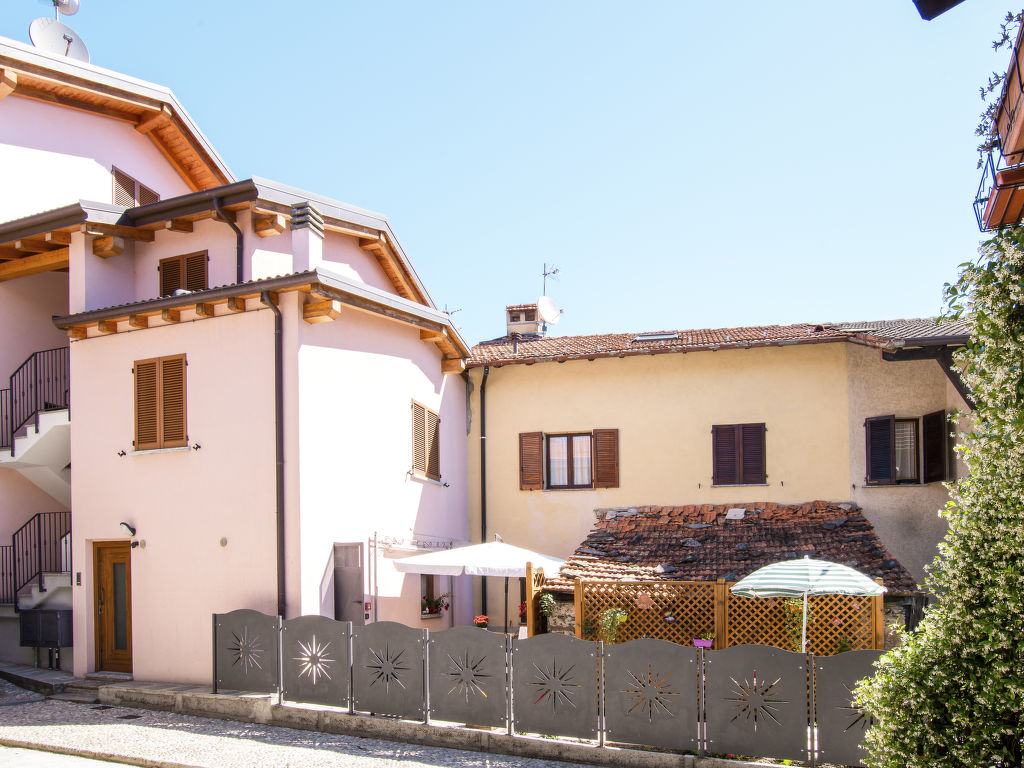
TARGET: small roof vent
(641,337)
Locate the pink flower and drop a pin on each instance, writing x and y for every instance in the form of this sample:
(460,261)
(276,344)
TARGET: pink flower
(837,621)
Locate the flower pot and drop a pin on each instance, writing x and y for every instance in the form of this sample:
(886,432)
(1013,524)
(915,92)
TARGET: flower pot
(698,643)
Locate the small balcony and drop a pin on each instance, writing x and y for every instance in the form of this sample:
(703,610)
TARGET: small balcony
(1000,198)
(1009,118)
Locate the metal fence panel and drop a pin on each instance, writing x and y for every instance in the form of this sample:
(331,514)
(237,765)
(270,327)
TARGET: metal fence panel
(467,680)
(315,660)
(841,725)
(387,669)
(554,686)
(246,651)
(651,690)
(756,700)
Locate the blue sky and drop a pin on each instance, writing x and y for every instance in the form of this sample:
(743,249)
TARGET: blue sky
(683,164)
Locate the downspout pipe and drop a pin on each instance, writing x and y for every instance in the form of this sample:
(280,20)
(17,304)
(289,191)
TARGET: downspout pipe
(238,239)
(265,298)
(483,475)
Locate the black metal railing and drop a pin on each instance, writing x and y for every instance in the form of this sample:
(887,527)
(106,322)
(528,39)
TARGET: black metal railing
(6,574)
(42,545)
(41,383)
(5,419)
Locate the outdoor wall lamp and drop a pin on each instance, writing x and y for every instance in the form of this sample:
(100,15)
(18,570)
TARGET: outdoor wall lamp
(127,529)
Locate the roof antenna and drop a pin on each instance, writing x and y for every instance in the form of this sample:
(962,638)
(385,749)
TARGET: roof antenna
(552,273)
(54,37)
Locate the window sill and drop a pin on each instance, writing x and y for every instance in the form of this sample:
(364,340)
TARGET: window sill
(431,615)
(903,485)
(581,488)
(425,479)
(160,450)
(741,485)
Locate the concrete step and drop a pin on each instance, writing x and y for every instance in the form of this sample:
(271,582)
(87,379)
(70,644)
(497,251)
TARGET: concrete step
(76,697)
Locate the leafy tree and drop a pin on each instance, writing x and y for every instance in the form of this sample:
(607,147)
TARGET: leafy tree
(953,693)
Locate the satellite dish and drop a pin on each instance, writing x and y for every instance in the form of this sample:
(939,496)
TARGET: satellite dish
(548,310)
(67,7)
(59,39)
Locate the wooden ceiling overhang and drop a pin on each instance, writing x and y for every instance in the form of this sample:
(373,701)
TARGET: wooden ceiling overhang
(323,297)
(152,111)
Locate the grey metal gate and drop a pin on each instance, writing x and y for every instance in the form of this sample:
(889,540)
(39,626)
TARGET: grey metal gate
(651,690)
(841,725)
(756,702)
(387,669)
(315,660)
(554,686)
(467,676)
(246,651)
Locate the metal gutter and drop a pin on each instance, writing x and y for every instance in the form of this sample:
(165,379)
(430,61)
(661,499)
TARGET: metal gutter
(60,218)
(194,202)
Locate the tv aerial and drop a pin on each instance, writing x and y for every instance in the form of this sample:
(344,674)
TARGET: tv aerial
(547,310)
(53,36)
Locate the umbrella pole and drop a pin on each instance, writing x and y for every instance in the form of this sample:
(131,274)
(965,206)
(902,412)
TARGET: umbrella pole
(803,641)
(506,604)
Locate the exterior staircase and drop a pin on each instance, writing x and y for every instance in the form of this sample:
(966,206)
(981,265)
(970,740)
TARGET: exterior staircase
(35,569)
(35,423)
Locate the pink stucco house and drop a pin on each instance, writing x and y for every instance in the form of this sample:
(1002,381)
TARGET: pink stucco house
(224,394)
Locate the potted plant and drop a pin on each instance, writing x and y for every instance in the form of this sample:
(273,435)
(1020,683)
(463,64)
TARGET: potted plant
(480,621)
(704,640)
(433,606)
(546,608)
(522,613)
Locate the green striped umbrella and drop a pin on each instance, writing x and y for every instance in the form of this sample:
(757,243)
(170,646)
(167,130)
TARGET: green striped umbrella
(800,578)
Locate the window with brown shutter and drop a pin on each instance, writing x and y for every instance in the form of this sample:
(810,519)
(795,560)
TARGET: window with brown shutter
(160,403)
(906,451)
(426,442)
(531,461)
(186,272)
(738,454)
(569,461)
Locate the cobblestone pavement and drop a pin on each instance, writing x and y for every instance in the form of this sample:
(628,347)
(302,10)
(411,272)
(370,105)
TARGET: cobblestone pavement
(182,740)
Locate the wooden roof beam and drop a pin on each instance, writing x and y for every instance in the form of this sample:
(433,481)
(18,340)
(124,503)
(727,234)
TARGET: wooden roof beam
(108,246)
(453,365)
(128,233)
(390,264)
(321,311)
(153,120)
(32,245)
(33,265)
(269,224)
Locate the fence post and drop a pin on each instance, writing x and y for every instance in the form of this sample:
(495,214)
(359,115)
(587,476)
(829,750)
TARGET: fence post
(578,605)
(530,607)
(878,619)
(721,628)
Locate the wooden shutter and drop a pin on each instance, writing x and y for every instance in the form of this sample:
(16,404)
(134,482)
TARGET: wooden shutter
(531,461)
(724,454)
(147,432)
(147,195)
(124,188)
(433,445)
(934,438)
(880,443)
(172,402)
(171,277)
(751,467)
(195,271)
(606,458)
(419,443)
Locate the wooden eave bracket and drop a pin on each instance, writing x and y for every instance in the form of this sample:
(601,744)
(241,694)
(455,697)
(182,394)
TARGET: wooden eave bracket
(392,266)
(452,361)
(8,82)
(153,120)
(108,246)
(453,365)
(321,311)
(269,224)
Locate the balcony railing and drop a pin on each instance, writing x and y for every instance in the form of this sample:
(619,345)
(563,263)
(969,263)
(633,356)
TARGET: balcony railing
(6,574)
(1009,118)
(999,201)
(42,545)
(41,383)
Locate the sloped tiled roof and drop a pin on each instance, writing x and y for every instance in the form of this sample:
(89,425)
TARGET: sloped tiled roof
(535,348)
(915,329)
(699,543)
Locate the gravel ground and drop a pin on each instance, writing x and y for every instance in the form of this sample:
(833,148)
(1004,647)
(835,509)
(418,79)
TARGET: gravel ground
(182,740)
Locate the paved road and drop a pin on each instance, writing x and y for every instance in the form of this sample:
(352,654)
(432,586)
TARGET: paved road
(164,738)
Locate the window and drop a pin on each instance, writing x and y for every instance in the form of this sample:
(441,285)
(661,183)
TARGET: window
(183,273)
(738,455)
(160,403)
(906,451)
(129,192)
(426,442)
(433,603)
(562,461)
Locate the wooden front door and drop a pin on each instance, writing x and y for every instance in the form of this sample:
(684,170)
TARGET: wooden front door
(113,605)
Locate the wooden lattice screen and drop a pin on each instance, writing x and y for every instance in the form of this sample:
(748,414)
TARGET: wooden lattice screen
(680,610)
(534,588)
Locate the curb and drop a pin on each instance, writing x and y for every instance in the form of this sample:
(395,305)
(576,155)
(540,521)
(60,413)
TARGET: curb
(105,756)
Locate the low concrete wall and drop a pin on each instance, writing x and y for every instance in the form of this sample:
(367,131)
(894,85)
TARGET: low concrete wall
(262,709)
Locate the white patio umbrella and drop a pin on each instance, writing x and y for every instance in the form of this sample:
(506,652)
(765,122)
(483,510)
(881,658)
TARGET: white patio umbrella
(800,578)
(495,558)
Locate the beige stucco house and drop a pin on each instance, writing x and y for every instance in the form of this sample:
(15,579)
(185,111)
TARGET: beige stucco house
(561,426)
(260,401)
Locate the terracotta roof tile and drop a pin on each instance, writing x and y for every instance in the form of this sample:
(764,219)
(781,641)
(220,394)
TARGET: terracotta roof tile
(699,543)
